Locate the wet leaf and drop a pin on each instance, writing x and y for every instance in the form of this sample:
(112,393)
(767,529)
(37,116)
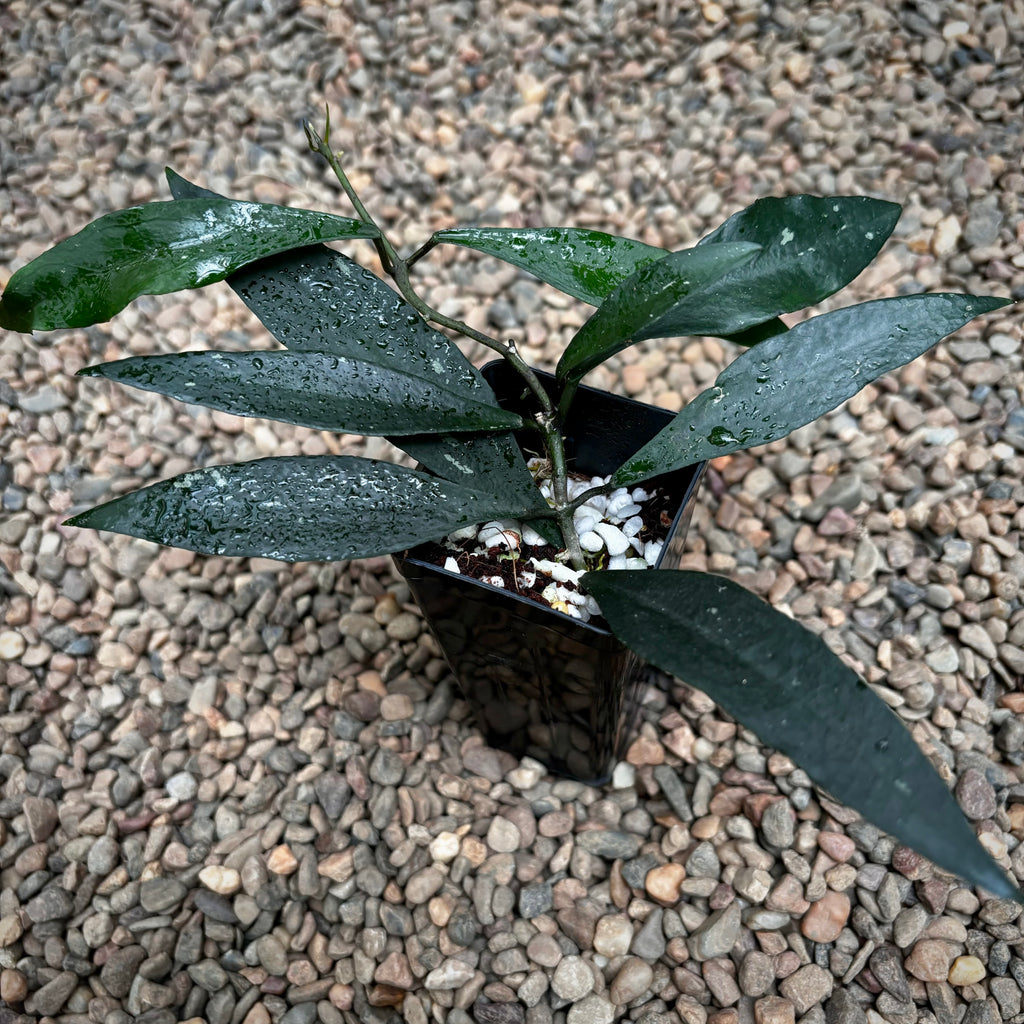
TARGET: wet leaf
(297,508)
(310,389)
(793,378)
(315,299)
(782,682)
(811,247)
(154,249)
(582,263)
(659,300)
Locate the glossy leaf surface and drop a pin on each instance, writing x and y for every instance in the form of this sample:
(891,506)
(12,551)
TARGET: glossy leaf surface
(315,299)
(793,378)
(154,249)
(661,299)
(810,248)
(782,682)
(584,264)
(297,508)
(310,389)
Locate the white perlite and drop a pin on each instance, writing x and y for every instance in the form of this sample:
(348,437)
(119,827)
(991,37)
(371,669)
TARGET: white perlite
(608,527)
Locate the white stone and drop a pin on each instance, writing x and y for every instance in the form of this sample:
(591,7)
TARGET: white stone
(444,847)
(632,526)
(532,537)
(615,540)
(591,541)
(451,565)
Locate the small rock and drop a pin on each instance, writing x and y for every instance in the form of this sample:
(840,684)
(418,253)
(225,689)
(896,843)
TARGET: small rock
(633,979)
(826,918)
(975,795)
(756,974)
(613,935)
(774,1010)
(592,1009)
(807,986)
(966,970)
(930,959)
(663,882)
(48,1000)
(221,879)
(716,936)
(572,978)
(160,894)
(451,974)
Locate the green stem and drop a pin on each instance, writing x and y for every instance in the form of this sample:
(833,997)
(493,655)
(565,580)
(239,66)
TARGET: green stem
(386,251)
(398,269)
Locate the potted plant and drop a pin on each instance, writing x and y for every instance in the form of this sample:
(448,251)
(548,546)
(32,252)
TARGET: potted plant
(360,357)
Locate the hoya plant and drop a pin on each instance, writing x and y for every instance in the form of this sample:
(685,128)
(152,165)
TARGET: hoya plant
(362,357)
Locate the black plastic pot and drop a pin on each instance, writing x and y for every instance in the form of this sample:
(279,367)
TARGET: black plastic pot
(540,682)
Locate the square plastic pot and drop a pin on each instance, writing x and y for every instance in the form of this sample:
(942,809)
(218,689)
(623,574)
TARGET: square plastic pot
(540,682)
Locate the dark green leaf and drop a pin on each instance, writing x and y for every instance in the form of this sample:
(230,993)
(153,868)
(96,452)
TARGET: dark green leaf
(585,264)
(783,683)
(297,508)
(661,299)
(811,247)
(759,332)
(154,249)
(310,389)
(315,299)
(793,378)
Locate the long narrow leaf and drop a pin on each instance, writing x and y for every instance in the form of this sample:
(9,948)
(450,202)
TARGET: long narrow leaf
(310,389)
(154,249)
(582,263)
(783,683)
(810,248)
(297,508)
(317,300)
(793,378)
(658,293)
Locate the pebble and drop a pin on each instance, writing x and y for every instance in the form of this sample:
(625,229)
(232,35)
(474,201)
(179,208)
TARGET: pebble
(826,917)
(966,970)
(930,959)
(717,935)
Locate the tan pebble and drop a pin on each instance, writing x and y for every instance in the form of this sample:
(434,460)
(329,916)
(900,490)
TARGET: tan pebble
(826,917)
(644,750)
(670,400)
(221,879)
(11,929)
(966,970)
(706,827)
(444,846)
(371,680)
(634,379)
(930,960)
(12,645)
(281,860)
(301,972)
(13,985)
(440,909)
(663,882)
(396,707)
(838,846)
(946,236)
(258,1014)
(774,1010)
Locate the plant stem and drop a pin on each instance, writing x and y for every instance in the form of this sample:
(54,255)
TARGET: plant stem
(386,251)
(398,269)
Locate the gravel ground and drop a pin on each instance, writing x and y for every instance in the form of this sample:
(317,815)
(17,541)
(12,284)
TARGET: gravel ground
(240,791)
